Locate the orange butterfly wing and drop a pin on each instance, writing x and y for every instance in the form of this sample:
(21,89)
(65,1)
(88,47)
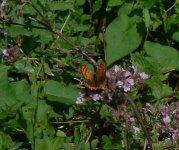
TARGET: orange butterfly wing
(88,78)
(101,75)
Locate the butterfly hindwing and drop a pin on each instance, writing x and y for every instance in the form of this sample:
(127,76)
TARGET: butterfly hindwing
(101,75)
(88,78)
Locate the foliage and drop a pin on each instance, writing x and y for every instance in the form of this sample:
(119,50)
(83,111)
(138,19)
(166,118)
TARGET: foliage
(43,44)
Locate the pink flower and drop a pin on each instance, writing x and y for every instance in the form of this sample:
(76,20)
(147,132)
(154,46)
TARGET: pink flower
(134,68)
(127,87)
(148,107)
(119,83)
(108,74)
(80,100)
(175,135)
(127,73)
(5,52)
(130,81)
(143,75)
(96,97)
(116,68)
(165,110)
(136,129)
(166,119)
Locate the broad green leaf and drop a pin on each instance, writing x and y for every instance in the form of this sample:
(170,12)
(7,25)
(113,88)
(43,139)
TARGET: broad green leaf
(143,64)
(122,38)
(15,30)
(24,66)
(22,90)
(159,90)
(6,92)
(43,35)
(43,111)
(175,36)
(28,9)
(58,92)
(126,8)
(166,56)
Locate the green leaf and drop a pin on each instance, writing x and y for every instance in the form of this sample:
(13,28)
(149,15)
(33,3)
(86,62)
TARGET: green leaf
(175,36)
(15,30)
(6,92)
(159,90)
(58,92)
(97,5)
(113,3)
(43,35)
(166,56)
(148,3)
(126,8)
(147,19)
(143,64)
(47,69)
(22,90)
(43,111)
(49,144)
(80,2)
(122,38)
(24,66)
(5,141)
(60,133)
(56,5)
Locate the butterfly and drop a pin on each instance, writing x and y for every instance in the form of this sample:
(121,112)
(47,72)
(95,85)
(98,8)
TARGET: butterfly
(97,80)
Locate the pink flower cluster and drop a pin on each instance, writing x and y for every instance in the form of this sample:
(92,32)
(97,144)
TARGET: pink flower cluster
(167,125)
(118,80)
(10,55)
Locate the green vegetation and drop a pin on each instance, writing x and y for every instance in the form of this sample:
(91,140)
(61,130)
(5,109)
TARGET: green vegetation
(44,104)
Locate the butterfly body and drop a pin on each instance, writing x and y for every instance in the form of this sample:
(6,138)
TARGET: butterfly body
(97,80)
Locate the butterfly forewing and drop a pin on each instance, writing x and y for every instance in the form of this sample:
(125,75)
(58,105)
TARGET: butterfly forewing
(101,75)
(88,78)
